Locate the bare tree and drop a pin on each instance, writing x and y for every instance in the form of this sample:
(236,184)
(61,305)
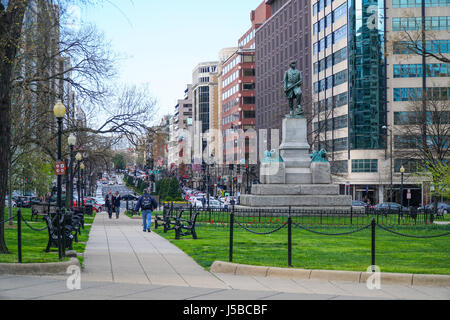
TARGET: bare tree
(38,61)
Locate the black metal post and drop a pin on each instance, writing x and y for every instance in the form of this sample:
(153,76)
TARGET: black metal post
(19,234)
(59,181)
(401,196)
(231,235)
(208,183)
(289,238)
(71,178)
(373,244)
(78,186)
(351,215)
(82,187)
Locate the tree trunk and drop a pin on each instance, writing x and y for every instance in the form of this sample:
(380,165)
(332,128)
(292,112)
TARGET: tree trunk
(11,21)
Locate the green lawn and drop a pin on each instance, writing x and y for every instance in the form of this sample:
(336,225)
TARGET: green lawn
(313,251)
(35,242)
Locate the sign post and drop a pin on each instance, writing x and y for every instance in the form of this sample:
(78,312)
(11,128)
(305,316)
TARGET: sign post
(60,168)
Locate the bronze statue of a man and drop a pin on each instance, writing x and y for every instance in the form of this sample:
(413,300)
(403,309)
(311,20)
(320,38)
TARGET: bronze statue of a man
(292,83)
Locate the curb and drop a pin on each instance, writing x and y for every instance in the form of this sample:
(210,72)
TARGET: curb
(37,269)
(406,279)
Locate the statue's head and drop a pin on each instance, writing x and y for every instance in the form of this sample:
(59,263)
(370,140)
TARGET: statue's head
(293,64)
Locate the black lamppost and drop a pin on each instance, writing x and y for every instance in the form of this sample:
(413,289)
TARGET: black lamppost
(59,110)
(82,183)
(391,157)
(78,157)
(71,141)
(402,171)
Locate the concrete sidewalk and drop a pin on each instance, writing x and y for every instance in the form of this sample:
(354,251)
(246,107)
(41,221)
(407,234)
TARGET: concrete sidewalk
(119,251)
(123,262)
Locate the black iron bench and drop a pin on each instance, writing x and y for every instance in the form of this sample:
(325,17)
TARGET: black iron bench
(185,227)
(53,234)
(173,220)
(168,218)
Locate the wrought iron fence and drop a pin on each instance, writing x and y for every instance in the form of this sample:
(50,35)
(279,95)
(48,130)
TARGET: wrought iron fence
(339,222)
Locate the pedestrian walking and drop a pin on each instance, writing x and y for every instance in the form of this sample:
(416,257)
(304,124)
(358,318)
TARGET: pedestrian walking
(226,203)
(147,204)
(117,204)
(203,201)
(109,203)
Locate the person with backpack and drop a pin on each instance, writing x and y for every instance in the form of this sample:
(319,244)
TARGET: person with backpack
(147,204)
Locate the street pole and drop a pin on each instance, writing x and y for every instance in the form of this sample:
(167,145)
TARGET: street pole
(71,178)
(390,147)
(78,186)
(59,111)
(402,171)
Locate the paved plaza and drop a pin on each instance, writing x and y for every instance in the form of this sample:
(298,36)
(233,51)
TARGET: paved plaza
(123,262)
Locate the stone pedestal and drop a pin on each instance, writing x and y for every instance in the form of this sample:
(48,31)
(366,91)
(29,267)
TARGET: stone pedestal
(321,172)
(295,181)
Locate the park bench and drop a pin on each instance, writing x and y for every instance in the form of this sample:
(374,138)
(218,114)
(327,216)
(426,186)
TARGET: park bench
(168,218)
(185,227)
(73,222)
(41,210)
(172,220)
(53,235)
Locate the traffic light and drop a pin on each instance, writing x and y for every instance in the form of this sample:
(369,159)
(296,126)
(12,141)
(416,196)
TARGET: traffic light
(238,169)
(235,179)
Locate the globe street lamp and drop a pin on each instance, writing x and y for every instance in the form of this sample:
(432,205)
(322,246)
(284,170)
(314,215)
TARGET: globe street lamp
(402,171)
(71,141)
(78,157)
(59,110)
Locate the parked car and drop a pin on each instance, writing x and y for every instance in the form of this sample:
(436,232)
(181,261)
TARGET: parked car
(13,202)
(129,196)
(357,204)
(215,204)
(95,205)
(24,202)
(391,206)
(442,208)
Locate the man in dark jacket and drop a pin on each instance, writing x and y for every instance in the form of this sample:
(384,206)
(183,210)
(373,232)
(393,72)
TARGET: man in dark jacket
(117,204)
(147,204)
(109,203)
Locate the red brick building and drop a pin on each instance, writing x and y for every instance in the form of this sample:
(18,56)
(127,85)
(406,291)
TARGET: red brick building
(237,83)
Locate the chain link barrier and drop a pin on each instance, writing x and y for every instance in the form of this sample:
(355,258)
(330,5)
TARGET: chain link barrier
(331,234)
(9,219)
(261,233)
(412,236)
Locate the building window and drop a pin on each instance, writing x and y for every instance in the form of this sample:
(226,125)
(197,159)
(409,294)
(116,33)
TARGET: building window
(248,100)
(433,46)
(418,3)
(410,165)
(365,165)
(415,94)
(340,166)
(250,114)
(248,86)
(248,72)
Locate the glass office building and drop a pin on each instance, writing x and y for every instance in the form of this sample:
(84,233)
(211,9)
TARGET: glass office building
(366,80)
(367,74)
